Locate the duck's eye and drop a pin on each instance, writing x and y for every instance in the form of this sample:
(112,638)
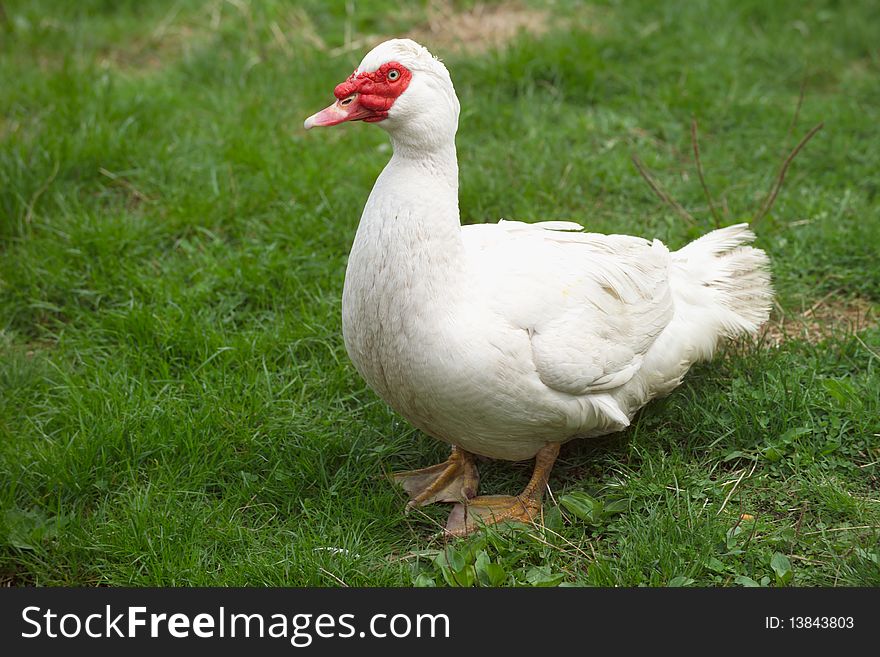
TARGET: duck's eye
(393,74)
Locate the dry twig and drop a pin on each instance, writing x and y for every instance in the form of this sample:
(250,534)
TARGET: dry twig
(769,199)
(29,213)
(797,113)
(696,145)
(729,494)
(780,177)
(662,195)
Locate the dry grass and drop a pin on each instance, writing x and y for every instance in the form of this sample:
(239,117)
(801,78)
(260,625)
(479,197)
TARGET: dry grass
(829,317)
(481,28)
(153,48)
(152,52)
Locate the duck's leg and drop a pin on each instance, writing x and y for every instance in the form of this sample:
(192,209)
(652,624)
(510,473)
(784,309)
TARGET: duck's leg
(492,509)
(454,480)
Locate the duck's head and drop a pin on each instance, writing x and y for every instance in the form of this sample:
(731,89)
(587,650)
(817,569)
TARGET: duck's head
(402,88)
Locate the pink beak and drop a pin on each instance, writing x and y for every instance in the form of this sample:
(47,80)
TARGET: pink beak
(347,109)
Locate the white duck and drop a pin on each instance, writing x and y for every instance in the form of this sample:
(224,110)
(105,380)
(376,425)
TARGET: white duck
(507,340)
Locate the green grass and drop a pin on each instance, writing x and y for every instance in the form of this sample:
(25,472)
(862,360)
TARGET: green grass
(176,404)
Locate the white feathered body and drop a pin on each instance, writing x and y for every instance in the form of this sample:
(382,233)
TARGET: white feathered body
(502,338)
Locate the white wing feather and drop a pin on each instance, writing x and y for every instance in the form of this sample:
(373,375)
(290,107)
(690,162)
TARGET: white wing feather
(592,304)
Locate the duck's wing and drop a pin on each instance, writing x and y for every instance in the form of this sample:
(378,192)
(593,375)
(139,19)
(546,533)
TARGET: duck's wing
(592,304)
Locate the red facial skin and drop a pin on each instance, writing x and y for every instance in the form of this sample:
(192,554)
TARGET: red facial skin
(376,92)
(364,97)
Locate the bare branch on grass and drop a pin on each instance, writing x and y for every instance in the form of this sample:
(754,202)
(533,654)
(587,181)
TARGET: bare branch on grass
(770,199)
(696,144)
(797,113)
(661,194)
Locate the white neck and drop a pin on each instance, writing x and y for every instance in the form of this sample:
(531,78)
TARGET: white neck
(408,244)
(418,191)
(438,161)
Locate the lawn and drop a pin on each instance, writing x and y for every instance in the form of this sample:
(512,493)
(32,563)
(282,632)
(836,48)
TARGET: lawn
(176,403)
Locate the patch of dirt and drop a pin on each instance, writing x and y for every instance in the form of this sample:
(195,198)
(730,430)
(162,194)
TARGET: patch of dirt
(8,127)
(14,579)
(174,37)
(481,28)
(826,318)
(153,51)
(862,68)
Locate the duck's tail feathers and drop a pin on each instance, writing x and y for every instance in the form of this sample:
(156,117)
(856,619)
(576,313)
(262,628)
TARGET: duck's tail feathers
(730,280)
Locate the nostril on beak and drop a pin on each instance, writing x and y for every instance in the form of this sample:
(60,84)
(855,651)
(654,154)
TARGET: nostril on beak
(346,101)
